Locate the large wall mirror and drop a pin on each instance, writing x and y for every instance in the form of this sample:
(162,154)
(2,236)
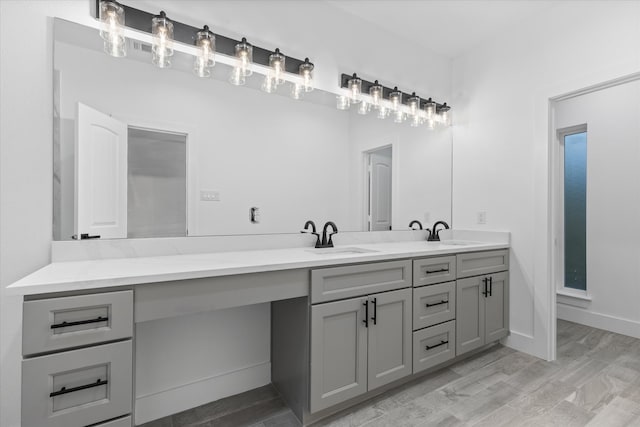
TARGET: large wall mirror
(146,152)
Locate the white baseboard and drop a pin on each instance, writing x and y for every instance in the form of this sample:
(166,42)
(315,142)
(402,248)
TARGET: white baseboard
(599,320)
(157,405)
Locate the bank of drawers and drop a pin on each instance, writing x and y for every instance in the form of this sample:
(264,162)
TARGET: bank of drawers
(78,361)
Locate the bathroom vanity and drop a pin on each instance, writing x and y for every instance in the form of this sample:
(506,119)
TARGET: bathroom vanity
(347,322)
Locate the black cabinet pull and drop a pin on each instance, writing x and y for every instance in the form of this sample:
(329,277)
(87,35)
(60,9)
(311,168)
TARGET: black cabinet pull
(490,286)
(366,313)
(442,270)
(485,292)
(437,345)
(375,311)
(437,303)
(85,236)
(65,390)
(79,322)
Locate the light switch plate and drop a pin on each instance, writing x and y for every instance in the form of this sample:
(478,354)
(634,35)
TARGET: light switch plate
(482,217)
(209,195)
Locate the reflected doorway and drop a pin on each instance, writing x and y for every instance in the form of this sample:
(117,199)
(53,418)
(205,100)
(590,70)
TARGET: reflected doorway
(379,173)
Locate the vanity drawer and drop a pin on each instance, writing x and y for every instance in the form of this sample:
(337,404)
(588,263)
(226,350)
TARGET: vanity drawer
(90,319)
(478,263)
(328,284)
(120,422)
(77,387)
(427,271)
(434,345)
(434,304)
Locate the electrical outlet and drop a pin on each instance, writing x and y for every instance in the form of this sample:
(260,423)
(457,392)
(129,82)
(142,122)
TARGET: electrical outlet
(209,196)
(482,217)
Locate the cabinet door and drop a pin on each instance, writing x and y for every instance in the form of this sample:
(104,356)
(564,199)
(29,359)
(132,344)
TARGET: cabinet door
(497,307)
(338,352)
(470,314)
(390,334)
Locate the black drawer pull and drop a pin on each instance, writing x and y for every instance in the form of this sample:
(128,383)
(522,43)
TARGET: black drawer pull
(442,270)
(437,345)
(437,303)
(66,324)
(65,390)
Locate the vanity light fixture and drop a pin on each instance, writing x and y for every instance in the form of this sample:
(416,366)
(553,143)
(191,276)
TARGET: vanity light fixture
(396,99)
(355,89)
(244,53)
(277,64)
(376,94)
(430,109)
(306,71)
(205,60)
(111,15)
(445,114)
(162,30)
(342,102)
(414,105)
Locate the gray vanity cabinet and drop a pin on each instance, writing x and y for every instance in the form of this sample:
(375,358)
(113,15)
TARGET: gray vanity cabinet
(482,310)
(358,345)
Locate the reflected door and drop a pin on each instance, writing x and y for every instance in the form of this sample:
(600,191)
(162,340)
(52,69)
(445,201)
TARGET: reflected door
(380,190)
(101,175)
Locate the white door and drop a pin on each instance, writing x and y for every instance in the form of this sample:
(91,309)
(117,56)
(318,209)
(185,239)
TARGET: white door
(380,190)
(101,175)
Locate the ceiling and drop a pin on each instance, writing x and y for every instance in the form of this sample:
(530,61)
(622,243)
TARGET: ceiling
(446,27)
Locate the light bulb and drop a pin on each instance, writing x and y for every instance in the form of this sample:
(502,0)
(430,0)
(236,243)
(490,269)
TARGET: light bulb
(269,84)
(205,59)
(112,28)
(297,90)
(162,30)
(355,88)
(342,102)
(244,53)
(277,64)
(237,77)
(376,94)
(363,108)
(395,97)
(306,71)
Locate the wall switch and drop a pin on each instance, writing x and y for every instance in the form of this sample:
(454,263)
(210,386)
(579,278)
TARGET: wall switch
(209,196)
(482,217)
(427,218)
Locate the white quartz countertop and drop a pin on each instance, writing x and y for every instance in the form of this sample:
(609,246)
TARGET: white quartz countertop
(105,273)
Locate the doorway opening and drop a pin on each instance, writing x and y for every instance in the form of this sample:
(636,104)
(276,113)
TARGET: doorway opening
(379,176)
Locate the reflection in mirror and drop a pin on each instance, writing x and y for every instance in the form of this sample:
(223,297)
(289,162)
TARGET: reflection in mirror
(165,153)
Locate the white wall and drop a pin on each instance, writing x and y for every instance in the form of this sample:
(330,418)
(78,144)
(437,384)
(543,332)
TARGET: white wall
(612,116)
(26,115)
(501,95)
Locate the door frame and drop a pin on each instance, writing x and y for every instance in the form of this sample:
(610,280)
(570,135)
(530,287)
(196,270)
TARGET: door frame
(366,180)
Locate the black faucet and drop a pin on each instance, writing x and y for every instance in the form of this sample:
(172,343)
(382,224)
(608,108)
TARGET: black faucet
(415,221)
(313,231)
(434,236)
(328,243)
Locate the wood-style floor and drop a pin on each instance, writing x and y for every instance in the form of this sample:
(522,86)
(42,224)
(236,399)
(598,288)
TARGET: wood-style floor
(594,382)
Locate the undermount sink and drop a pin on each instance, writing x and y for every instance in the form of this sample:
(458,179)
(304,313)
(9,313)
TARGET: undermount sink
(348,250)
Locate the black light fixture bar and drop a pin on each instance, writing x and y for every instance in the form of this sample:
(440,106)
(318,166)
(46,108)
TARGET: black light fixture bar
(183,33)
(366,85)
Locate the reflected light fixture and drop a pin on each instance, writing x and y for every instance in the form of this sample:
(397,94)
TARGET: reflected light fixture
(205,60)
(276,62)
(237,77)
(162,30)
(355,88)
(297,90)
(342,102)
(376,94)
(363,108)
(306,71)
(112,28)
(269,84)
(383,111)
(398,116)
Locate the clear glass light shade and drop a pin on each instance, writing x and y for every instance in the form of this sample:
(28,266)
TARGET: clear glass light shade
(162,31)
(398,116)
(297,90)
(277,64)
(237,77)
(112,28)
(395,98)
(244,53)
(364,108)
(342,102)
(431,124)
(306,72)
(269,84)
(205,59)
(430,109)
(445,114)
(414,104)
(376,94)
(354,85)
(383,111)
(416,121)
